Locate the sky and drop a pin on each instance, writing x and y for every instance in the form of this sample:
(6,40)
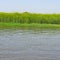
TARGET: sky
(35,6)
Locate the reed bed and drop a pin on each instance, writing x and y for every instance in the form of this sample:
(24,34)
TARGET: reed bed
(26,19)
(29,18)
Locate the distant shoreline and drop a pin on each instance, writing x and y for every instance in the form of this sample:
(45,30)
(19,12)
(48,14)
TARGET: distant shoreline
(26,19)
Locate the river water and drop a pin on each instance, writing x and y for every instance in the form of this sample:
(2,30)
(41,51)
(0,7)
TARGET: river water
(29,44)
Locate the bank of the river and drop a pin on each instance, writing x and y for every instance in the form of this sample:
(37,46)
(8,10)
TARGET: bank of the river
(32,25)
(29,18)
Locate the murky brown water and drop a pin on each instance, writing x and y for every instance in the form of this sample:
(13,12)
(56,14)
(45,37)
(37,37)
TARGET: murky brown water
(29,45)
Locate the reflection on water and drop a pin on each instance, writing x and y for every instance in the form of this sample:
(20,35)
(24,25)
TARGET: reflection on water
(29,44)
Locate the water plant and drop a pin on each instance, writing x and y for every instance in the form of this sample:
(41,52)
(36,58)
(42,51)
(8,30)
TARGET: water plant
(29,18)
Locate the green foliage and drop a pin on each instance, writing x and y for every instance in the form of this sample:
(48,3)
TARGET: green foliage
(27,17)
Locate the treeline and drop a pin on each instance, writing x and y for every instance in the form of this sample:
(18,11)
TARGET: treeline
(27,17)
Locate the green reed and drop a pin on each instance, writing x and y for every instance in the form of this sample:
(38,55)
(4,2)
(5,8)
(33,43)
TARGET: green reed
(29,18)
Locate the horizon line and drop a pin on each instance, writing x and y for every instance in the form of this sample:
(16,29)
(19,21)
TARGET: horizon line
(28,12)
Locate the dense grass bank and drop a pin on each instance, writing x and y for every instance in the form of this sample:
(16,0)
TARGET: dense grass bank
(30,18)
(32,25)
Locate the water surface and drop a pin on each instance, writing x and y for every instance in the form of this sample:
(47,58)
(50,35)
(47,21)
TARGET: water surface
(29,44)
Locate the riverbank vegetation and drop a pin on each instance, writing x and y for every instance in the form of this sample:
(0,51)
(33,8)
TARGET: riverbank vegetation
(29,26)
(27,19)
(30,18)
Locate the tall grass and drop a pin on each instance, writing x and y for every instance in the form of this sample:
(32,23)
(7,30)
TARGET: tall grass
(30,18)
(29,26)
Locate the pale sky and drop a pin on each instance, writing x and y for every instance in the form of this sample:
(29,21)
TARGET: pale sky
(36,6)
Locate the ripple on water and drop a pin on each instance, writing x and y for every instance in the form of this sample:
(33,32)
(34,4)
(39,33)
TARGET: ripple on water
(29,45)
